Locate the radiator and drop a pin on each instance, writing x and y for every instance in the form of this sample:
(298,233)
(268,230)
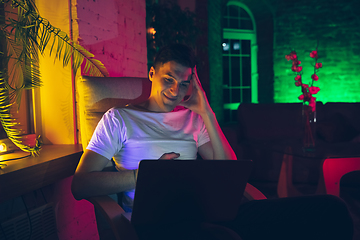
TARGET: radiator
(43,225)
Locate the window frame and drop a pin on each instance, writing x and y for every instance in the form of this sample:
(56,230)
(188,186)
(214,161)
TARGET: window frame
(243,34)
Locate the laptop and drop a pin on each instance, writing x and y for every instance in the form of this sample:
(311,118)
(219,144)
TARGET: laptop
(189,190)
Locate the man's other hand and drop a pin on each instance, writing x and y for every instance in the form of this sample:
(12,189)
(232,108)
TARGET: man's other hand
(169,156)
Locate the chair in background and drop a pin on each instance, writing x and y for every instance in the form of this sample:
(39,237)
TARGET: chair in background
(95,96)
(333,169)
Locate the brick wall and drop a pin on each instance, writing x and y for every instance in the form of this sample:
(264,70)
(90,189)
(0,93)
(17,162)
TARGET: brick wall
(116,33)
(336,25)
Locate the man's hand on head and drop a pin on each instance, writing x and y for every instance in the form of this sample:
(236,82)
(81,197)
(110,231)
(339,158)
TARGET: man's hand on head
(169,156)
(197,102)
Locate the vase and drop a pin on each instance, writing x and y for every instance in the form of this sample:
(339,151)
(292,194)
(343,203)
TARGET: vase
(309,127)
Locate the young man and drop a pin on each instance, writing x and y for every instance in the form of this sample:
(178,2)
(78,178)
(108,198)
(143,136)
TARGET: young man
(153,127)
(153,130)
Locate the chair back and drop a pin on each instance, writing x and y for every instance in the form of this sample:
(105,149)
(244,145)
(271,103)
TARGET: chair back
(96,95)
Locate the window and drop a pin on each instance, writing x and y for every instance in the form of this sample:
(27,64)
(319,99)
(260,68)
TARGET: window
(22,114)
(239,59)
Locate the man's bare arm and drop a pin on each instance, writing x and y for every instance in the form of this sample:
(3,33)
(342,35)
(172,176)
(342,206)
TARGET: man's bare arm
(218,147)
(89,179)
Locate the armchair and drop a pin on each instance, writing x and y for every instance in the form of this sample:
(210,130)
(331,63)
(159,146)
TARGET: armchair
(95,96)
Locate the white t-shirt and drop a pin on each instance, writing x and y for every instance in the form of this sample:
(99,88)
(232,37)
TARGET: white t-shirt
(128,136)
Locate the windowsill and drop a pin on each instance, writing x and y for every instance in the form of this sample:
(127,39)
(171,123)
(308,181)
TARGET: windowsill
(24,175)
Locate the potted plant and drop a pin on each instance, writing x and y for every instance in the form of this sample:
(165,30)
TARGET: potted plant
(24,35)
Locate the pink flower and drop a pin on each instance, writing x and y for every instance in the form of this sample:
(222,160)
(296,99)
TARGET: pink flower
(291,56)
(296,62)
(314,54)
(312,103)
(295,68)
(312,99)
(314,77)
(313,106)
(307,91)
(318,65)
(314,90)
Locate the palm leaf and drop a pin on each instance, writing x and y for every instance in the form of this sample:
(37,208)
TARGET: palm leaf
(25,37)
(65,48)
(9,124)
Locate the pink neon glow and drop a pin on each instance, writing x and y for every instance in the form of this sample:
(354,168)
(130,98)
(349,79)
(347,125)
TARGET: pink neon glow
(334,169)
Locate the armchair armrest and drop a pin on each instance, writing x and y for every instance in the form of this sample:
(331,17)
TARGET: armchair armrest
(117,218)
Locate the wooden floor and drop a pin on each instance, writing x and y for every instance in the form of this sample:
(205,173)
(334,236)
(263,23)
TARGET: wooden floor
(349,192)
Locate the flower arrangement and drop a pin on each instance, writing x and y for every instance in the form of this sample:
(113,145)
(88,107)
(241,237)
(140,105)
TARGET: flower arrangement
(307,91)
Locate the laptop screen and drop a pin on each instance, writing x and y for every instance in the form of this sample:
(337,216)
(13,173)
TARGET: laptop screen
(188,190)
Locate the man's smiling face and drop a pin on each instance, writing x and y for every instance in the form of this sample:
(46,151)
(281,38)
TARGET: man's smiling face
(170,83)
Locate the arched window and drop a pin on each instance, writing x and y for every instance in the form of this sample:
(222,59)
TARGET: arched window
(239,46)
